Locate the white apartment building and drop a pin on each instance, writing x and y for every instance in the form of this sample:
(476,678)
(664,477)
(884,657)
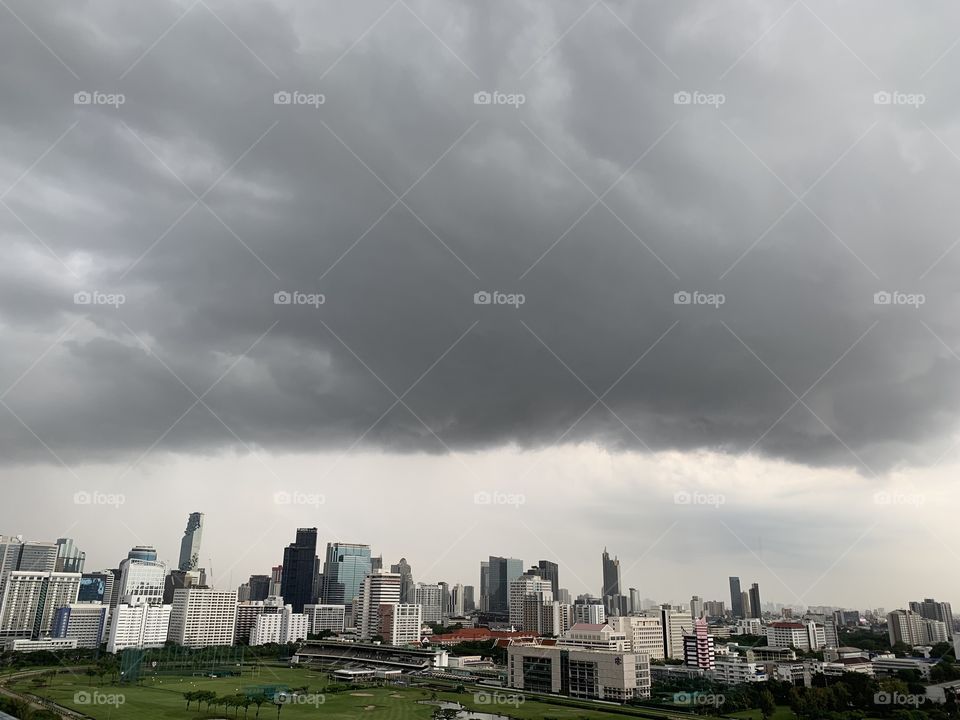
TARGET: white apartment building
(138,626)
(326,617)
(201,617)
(247,613)
(30,600)
(748,626)
(802,636)
(527,596)
(674,625)
(736,669)
(912,628)
(142,581)
(399,623)
(84,622)
(282,627)
(379,588)
(556,618)
(430,598)
(589,614)
(644,634)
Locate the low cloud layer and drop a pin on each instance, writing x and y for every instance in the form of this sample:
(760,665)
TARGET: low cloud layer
(702,213)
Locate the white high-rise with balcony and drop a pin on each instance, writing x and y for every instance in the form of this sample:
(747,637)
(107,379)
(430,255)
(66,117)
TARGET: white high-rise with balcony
(138,626)
(201,617)
(379,587)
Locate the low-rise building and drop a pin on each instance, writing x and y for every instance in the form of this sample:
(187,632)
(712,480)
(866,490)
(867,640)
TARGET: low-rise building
(736,670)
(281,627)
(579,672)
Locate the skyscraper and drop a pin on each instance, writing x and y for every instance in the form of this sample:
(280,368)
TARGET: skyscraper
(550,571)
(69,557)
(755,610)
(299,567)
(259,587)
(407,588)
(142,577)
(484,585)
(344,569)
(736,604)
(378,588)
(469,604)
(501,571)
(696,607)
(190,544)
(143,552)
(615,602)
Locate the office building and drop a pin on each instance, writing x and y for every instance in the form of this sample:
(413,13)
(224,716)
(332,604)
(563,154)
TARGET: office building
(299,569)
(578,668)
(190,543)
(142,577)
(247,613)
(634,604)
(736,599)
(528,595)
(428,596)
(281,627)
(484,585)
(202,616)
(589,612)
(344,570)
(550,572)
(276,581)
(611,579)
(259,587)
(698,646)
(755,609)
(555,619)
(501,571)
(84,622)
(674,625)
(31,599)
(379,588)
(469,602)
(456,600)
(330,618)
(805,636)
(143,552)
(138,626)
(407,588)
(96,587)
(15,554)
(182,579)
(696,607)
(399,623)
(243,592)
(70,558)
(714,609)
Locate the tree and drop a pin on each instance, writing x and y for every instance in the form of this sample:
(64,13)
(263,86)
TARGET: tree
(189,697)
(768,705)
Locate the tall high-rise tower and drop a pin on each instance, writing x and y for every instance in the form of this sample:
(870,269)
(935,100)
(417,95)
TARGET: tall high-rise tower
(611,576)
(190,544)
(344,570)
(736,603)
(299,569)
(755,610)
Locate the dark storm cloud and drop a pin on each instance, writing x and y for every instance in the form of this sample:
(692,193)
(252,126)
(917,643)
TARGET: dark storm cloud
(199,198)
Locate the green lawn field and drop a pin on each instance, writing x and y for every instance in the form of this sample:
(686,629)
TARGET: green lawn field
(161,698)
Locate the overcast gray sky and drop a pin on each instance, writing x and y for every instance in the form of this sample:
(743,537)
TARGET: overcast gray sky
(788,167)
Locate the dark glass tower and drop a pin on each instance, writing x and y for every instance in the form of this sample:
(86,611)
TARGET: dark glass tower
(299,568)
(736,599)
